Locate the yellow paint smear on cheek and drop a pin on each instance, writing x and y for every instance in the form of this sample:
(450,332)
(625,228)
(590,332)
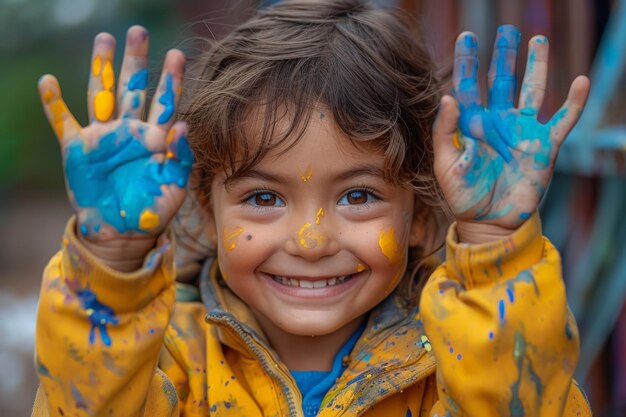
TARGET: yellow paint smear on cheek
(360,268)
(96,66)
(389,245)
(229,237)
(319,215)
(149,220)
(310,238)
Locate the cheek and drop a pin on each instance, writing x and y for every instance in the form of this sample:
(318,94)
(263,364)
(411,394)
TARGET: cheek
(241,249)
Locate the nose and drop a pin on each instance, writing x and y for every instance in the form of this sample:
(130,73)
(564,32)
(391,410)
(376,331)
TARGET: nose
(313,240)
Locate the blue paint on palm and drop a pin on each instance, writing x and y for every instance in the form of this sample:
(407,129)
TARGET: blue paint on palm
(167,99)
(499,125)
(119,178)
(99,314)
(139,80)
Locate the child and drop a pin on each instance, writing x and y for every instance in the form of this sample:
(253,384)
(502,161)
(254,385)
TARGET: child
(314,180)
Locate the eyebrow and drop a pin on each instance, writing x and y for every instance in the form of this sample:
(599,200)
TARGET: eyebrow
(358,171)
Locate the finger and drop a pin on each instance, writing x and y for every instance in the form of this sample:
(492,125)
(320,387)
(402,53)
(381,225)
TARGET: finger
(465,73)
(62,121)
(100,98)
(534,85)
(446,138)
(131,90)
(168,92)
(502,80)
(567,116)
(178,158)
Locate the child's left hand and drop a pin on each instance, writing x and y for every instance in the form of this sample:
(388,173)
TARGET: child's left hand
(494,163)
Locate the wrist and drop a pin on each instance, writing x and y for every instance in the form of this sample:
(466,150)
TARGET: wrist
(477,232)
(123,254)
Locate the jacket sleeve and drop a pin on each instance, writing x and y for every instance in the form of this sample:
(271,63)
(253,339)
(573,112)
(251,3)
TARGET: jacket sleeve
(504,338)
(99,333)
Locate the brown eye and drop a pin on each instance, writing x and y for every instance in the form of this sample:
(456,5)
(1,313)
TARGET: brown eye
(355,197)
(266,200)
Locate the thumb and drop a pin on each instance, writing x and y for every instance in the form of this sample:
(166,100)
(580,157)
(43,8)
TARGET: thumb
(446,140)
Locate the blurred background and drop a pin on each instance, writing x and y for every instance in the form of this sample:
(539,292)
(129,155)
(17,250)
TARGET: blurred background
(584,212)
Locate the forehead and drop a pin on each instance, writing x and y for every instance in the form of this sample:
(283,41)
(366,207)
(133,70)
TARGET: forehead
(316,139)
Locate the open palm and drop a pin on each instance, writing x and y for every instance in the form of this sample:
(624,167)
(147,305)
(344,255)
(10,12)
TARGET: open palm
(495,162)
(124,176)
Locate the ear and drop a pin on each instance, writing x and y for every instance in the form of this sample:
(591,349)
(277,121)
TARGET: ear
(417,232)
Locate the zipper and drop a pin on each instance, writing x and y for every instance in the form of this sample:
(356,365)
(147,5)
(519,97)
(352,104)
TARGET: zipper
(261,353)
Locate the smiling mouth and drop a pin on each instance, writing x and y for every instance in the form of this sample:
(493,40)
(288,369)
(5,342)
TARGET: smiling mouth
(320,283)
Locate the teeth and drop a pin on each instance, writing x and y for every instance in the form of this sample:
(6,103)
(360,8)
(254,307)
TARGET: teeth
(290,282)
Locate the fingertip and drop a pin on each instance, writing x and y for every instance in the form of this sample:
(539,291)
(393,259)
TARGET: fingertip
(580,89)
(466,41)
(48,87)
(176,56)
(136,35)
(104,38)
(538,40)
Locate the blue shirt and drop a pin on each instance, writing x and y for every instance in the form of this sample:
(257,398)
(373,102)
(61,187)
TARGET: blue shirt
(315,384)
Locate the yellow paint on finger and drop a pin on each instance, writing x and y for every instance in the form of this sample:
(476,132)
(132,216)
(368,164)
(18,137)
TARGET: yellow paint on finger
(319,215)
(149,220)
(103,105)
(96,66)
(309,237)
(389,245)
(457,141)
(229,237)
(108,77)
(58,110)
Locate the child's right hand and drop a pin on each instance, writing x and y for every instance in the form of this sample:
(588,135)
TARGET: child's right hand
(125,177)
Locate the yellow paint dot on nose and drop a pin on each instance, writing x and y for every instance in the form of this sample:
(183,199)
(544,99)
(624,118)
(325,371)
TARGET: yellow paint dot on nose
(103,105)
(389,245)
(319,215)
(108,77)
(149,220)
(309,237)
(96,66)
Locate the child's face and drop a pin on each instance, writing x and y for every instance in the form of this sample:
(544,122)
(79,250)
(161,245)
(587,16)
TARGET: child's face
(320,215)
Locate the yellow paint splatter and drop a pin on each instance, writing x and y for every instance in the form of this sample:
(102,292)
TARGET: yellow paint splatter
(229,237)
(319,215)
(426,344)
(96,66)
(307,174)
(224,275)
(457,141)
(149,220)
(122,213)
(58,110)
(108,77)
(389,246)
(360,268)
(309,237)
(104,104)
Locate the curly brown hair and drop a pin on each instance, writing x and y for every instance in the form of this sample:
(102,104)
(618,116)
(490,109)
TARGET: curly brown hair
(363,63)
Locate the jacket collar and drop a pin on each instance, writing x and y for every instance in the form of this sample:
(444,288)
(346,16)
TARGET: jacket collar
(392,353)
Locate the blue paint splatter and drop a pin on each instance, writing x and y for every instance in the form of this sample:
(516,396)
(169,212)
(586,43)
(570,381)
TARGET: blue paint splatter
(42,369)
(83,230)
(501,308)
(167,99)
(490,335)
(408,413)
(511,294)
(119,178)
(459,357)
(136,101)
(524,216)
(139,80)
(99,314)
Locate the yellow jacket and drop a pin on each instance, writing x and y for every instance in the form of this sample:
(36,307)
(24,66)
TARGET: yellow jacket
(501,342)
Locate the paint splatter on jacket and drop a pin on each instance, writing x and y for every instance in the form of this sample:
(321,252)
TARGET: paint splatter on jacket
(493,337)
